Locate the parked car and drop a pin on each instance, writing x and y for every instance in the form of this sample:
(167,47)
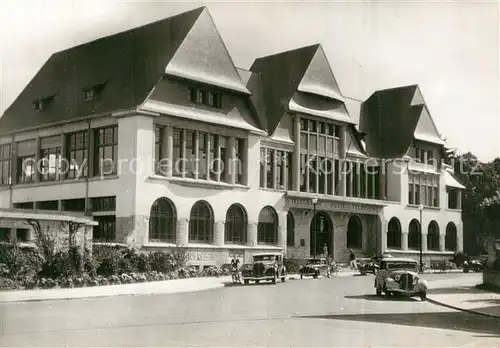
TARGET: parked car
(268,266)
(473,265)
(399,276)
(314,268)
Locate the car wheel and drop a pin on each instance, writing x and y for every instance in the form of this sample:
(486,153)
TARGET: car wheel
(315,276)
(423,296)
(274,279)
(283,279)
(246,281)
(379,291)
(257,281)
(301,276)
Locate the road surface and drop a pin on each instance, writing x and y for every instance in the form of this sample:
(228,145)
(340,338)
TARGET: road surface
(338,312)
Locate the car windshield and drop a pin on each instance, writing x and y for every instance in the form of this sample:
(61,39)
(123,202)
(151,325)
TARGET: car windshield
(263,258)
(401,265)
(313,261)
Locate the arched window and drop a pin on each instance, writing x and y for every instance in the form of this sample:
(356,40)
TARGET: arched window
(236,224)
(162,221)
(201,223)
(394,234)
(450,240)
(290,230)
(414,235)
(267,229)
(354,233)
(433,236)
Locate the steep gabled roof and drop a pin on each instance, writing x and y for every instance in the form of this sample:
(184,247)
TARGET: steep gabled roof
(393,118)
(303,71)
(128,64)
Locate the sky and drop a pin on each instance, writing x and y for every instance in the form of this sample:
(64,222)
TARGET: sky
(450,49)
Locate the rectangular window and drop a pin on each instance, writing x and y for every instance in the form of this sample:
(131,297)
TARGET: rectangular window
(422,156)
(270,160)
(238,165)
(202,155)
(303,141)
(50,164)
(336,172)
(159,131)
(103,203)
(105,231)
(411,199)
(5,164)
(74,205)
(436,197)
(313,174)
(280,175)
(48,205)
(329,176)
(263,167)
(214,156)
(348,171)
(208,98)
(223,163)
(289,166)
(22,235)
(321,170)
(429,196)
(177,154)
(77,154)
(417,194)
(376,179)
(303,175)
(24,205)
(4,234)
(26,161)
(190,162)
(430,157)
(106,150)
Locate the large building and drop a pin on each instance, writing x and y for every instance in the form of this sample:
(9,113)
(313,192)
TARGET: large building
(158,135)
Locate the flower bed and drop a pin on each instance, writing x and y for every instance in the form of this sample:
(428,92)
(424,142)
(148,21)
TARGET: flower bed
(108,265)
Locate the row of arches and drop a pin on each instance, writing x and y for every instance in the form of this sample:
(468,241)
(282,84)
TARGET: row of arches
(163,223)
(394,235)
(163,226)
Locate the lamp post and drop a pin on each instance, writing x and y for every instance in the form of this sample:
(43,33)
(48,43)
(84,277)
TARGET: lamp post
(314,202)
(421,209)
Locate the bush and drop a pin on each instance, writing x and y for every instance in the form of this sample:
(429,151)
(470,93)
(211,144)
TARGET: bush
(161,262)
(293,264)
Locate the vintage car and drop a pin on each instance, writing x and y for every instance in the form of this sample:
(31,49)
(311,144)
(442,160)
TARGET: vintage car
(268,266)
(314,268)
(399,276)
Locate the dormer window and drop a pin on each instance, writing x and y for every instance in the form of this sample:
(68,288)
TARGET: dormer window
(89,94)
(42,103)
(208,98)
(38,105)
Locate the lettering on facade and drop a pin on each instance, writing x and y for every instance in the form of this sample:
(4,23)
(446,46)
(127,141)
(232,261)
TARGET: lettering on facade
(306,203)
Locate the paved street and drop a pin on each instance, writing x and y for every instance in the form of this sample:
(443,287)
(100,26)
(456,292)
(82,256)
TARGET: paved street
(323,312)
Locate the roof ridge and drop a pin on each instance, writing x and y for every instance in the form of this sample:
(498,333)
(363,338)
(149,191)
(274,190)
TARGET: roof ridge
(200,9)
(317,45)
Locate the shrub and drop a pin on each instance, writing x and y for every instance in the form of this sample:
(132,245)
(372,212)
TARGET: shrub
(161,262)
(293,264)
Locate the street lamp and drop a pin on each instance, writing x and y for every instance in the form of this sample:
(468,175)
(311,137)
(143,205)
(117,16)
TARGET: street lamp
(421,209)
(314,202)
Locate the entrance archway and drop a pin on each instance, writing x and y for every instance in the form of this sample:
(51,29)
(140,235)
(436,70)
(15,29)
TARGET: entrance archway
(321,234)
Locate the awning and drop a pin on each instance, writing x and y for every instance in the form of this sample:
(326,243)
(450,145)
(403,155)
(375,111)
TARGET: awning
(450,181)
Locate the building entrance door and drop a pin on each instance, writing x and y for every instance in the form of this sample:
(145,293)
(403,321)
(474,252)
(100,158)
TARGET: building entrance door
(321,235)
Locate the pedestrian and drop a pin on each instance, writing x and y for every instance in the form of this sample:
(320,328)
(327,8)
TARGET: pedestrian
(234,269)
(352,259)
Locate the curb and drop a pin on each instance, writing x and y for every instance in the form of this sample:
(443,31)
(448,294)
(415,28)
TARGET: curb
(95,296)
(471,311)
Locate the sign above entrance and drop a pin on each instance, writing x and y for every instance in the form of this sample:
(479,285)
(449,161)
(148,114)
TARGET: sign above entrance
(348,207)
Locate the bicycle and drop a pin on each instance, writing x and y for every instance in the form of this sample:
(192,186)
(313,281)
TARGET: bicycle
(334,269)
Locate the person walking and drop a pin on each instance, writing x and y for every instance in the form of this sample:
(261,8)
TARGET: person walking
(234,269)
(352,259)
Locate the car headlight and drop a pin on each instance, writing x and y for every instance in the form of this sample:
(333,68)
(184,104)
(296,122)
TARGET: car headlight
(397,277)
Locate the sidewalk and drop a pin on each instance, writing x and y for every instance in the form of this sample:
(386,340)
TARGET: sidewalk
(465,296)
(157,288)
